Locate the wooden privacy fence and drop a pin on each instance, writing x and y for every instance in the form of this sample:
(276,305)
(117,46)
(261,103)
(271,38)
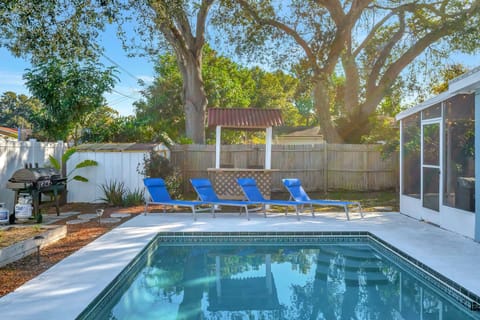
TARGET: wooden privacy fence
(320,167)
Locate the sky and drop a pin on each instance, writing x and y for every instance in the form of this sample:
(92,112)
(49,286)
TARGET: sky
(129,72)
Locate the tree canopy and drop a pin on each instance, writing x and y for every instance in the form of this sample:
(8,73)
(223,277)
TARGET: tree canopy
(68,90)
(347,55)
(227,85)
(366,43)
(17,111)
(40,30)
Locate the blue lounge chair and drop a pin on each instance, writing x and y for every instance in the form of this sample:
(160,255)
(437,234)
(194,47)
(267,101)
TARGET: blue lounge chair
(297,193)
(203,187)
(252,193)
(159,195)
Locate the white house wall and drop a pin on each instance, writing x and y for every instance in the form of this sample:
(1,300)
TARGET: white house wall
(456,220)
(477,166)
(411,206)
(112,166)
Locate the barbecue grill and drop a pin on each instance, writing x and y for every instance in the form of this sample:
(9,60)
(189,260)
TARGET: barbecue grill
(37,181)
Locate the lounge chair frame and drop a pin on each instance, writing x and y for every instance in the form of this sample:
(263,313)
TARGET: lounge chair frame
(159,196)
(297,193)
(204,189)
(252,193)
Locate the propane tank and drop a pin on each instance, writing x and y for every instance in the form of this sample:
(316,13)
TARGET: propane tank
(4,214)
(23,209)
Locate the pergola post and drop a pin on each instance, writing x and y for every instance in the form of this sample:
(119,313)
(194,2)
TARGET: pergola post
(268,149)
(218,142)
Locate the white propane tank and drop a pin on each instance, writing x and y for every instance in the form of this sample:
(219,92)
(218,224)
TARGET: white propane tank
(23,209)
(4,214)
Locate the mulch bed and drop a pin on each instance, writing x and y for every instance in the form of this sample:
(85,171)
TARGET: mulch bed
(17,273)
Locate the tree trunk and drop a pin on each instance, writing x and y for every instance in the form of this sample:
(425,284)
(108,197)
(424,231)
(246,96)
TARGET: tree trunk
(322,106)
(195,99)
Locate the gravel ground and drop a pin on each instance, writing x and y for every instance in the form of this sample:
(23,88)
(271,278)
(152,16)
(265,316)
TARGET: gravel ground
(17,273)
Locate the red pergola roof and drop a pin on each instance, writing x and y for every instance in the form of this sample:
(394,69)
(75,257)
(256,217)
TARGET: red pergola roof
(8,131)
(244,118)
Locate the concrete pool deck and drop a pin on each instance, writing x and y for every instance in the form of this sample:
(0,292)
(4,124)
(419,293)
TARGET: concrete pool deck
(63,291)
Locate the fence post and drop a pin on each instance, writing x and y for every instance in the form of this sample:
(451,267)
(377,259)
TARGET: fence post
(325,167)
(365,167)
(184,161)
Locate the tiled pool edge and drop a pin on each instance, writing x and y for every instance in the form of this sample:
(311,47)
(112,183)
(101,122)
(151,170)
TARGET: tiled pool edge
(124,276)
(454,256)
(472,300)
(453,290)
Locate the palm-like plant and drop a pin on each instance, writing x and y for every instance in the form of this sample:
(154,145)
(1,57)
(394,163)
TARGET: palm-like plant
(85,163)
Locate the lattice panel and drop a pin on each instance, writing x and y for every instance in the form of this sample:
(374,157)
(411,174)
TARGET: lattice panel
(226,186)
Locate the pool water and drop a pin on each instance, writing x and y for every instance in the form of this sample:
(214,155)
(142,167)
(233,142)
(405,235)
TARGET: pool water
(273,278)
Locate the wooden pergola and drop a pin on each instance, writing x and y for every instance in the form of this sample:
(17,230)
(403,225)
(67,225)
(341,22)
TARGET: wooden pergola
(224,179)
(244,119)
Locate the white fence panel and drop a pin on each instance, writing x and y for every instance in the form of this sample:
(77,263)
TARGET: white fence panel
(112,166)
(15,154)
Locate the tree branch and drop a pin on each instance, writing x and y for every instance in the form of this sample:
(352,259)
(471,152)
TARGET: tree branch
(184,27)
(201,22)
(344,23)
(371,34)
(289,31)
(384,54)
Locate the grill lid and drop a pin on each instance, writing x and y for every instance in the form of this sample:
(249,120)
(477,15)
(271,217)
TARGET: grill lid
(35,174)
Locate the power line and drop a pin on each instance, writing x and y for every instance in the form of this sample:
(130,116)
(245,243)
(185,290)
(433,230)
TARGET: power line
(120,67)
(124,95)
(118,100)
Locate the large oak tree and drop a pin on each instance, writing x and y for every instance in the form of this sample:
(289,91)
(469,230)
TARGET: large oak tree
(368,43)
(44,29)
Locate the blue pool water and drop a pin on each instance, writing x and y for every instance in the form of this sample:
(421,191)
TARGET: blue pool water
(288,277)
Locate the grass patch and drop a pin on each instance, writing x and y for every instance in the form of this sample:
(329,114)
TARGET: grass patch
(368,200)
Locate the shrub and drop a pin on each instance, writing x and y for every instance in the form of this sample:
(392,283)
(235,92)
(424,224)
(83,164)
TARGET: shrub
(113,193)
(174,184)
(116,194)
(157,166)
(134,198)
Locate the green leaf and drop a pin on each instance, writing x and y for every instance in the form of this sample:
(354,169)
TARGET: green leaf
(68,154)
(86,163)
(80,178)
(54,162)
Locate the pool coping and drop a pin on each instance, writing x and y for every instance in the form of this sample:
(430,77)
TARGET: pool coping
(66,289)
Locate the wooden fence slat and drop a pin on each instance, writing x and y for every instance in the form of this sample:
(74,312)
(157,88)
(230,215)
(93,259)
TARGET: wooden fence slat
(319,166)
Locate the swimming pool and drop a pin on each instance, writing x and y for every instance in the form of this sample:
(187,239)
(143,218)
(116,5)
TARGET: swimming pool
(279,276)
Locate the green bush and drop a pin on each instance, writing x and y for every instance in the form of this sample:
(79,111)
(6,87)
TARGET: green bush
(134,198)
(174,184)
(113,193)
(157,166)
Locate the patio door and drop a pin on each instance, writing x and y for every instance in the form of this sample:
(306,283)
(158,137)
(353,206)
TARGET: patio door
(431,142)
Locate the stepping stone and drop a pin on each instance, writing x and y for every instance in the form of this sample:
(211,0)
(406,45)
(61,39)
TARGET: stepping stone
(383,208)
(76,221)
(87,216)
(62,214)
(120,215)
(69,213)
(110,220)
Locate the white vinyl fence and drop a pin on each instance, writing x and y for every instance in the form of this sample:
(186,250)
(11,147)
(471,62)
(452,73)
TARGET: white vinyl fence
(112,166)
(116,163)
(15,154)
